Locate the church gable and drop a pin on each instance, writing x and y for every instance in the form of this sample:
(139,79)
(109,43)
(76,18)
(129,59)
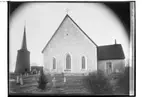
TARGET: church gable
(68,29)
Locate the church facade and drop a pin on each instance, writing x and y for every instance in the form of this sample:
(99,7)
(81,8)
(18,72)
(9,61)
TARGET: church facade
(70,50)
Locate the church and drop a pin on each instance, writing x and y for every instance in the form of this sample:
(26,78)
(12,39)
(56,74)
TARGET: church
(71,50)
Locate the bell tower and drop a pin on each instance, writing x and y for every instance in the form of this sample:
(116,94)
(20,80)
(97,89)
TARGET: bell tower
(23,57)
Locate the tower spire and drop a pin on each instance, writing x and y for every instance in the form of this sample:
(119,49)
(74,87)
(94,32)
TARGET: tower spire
(24,44)
(23,57)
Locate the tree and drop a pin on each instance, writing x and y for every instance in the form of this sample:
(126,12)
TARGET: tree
(97,83)
(42,80)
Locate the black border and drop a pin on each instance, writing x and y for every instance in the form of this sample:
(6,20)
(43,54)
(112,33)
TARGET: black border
(8,49)
(134,42)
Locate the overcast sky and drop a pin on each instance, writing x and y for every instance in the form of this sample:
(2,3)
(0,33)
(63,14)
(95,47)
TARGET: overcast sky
(42,20)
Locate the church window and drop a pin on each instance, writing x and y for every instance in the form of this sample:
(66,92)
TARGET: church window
(68,61)
(83,63)
(54,63)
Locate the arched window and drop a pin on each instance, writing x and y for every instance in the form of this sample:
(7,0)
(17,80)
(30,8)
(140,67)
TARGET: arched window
(54,63)
(83,63)
(68,61)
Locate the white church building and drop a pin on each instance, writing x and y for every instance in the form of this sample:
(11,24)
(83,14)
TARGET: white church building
(70,50)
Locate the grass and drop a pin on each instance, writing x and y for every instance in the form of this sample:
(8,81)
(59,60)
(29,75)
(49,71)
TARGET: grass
(123,82)
(116,83)
(73,85)
(97,83)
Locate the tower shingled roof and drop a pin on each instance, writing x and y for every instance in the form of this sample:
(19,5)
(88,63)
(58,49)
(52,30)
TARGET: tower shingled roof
(24,43)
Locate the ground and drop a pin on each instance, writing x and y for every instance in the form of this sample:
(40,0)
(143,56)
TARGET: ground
(73,85)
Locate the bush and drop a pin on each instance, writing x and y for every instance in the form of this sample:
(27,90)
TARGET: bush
(42,81)
(97,83)
(123,81)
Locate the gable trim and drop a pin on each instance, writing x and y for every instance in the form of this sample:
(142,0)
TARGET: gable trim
(54,34)
(82,31)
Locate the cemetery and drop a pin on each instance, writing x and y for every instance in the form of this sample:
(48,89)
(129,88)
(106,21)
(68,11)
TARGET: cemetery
(94,83)
(54,85)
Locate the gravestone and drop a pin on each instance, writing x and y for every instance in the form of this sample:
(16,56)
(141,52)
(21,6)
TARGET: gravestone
(18,79)
(21,80)
(38,72)
(64,79)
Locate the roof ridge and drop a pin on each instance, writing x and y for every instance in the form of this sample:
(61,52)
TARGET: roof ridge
(109,45)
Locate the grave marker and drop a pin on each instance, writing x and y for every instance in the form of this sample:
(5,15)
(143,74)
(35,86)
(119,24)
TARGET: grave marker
(53,81)
(18,79)
(21,80)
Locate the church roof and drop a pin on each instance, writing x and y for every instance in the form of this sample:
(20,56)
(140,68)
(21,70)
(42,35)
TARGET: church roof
(67,16)
(110,52)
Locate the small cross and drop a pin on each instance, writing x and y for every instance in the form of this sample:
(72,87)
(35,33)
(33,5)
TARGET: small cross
(67,10)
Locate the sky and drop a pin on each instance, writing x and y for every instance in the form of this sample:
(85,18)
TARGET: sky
(42,19)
